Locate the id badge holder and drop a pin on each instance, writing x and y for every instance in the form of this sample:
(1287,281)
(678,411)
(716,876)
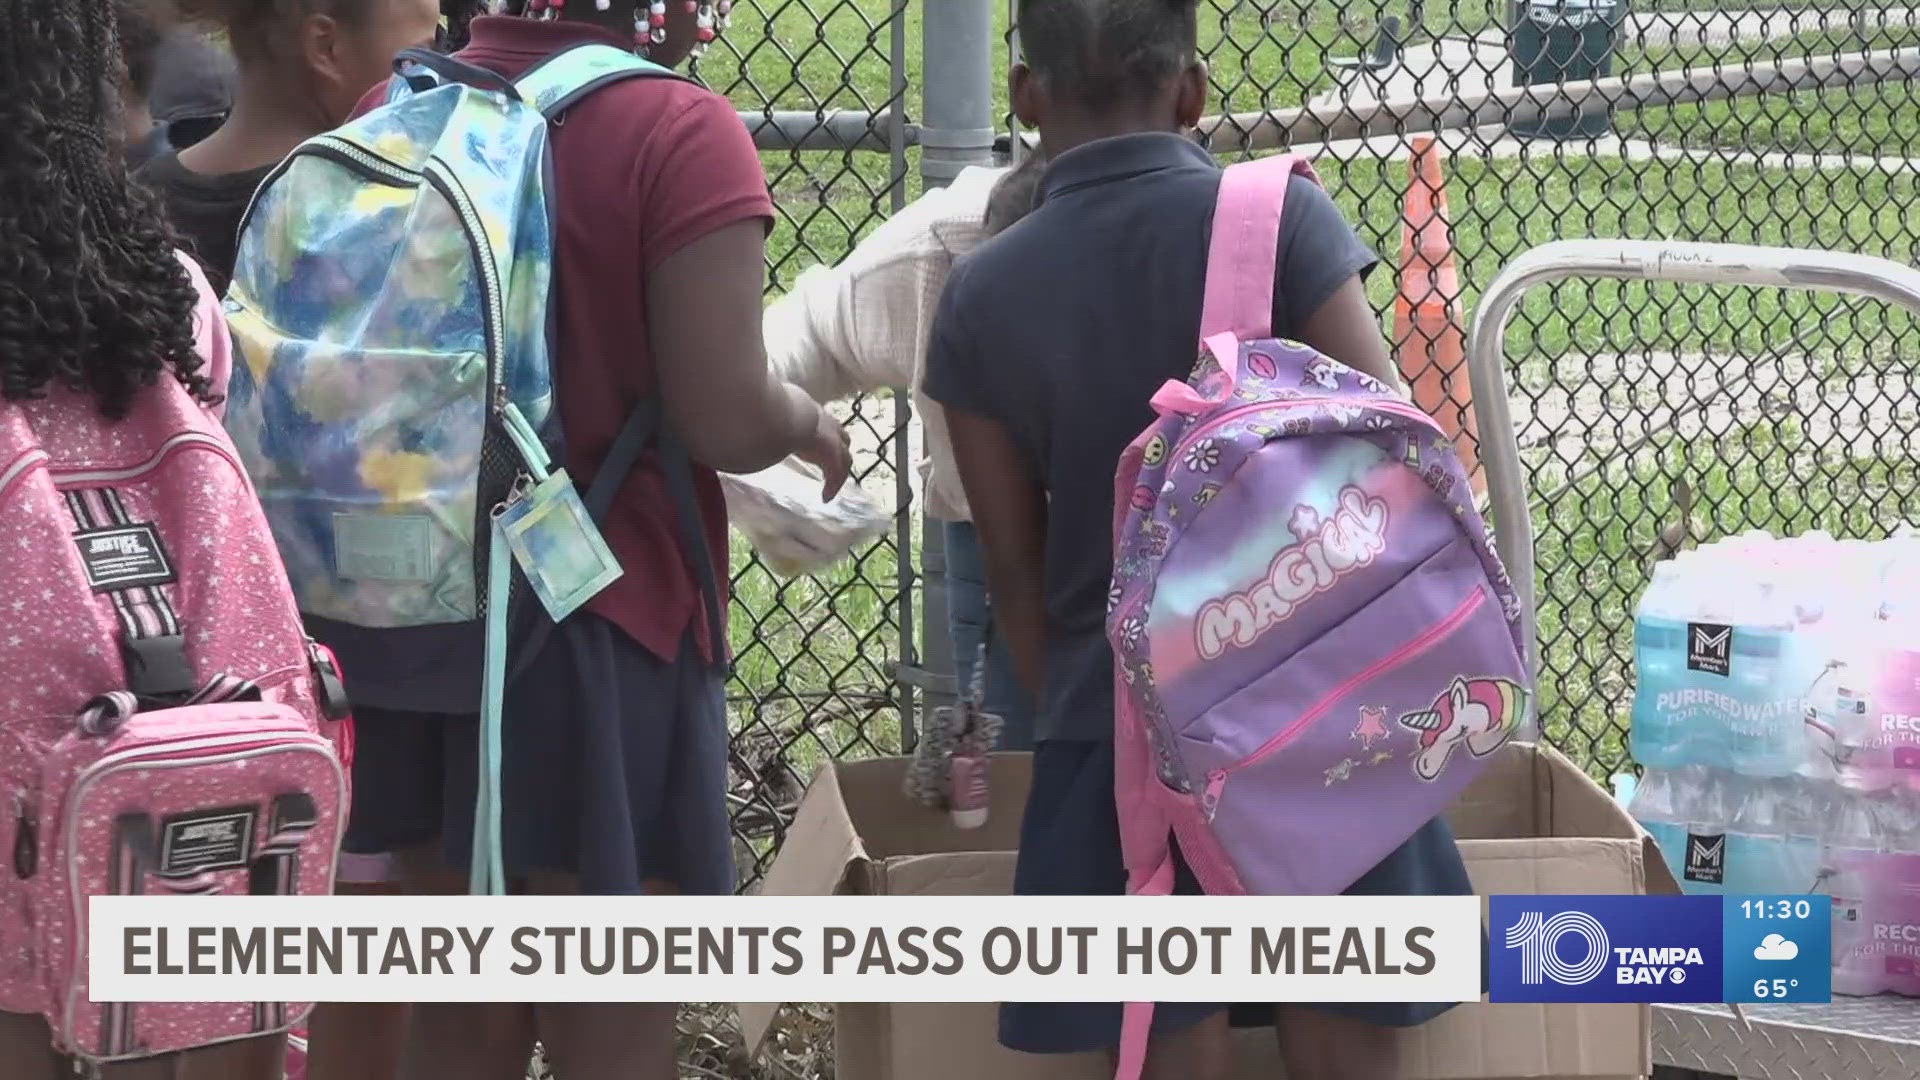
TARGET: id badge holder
(553,538)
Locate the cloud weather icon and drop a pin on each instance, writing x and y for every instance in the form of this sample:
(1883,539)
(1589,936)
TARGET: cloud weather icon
(1775,947)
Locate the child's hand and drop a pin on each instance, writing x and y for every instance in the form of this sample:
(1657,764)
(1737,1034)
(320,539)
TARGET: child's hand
(829,449)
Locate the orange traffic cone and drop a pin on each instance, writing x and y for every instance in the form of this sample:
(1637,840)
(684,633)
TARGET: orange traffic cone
(1429,344)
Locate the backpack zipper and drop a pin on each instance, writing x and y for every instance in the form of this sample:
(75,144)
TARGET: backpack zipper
(437,175)
(1397,408)
(339,151)
(1217,778)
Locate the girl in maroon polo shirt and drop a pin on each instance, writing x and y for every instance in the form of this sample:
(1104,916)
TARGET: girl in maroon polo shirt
(614,737)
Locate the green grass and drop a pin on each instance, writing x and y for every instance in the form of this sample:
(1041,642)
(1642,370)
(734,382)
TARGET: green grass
(1266,55)
(1881,121)
(1503,207)
(815,655)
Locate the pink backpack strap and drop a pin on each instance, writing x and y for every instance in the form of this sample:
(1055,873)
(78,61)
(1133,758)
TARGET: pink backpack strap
(1238,304)
(1246,241)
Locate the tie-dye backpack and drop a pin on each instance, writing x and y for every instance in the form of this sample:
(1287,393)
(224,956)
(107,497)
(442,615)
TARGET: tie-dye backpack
(391,313)
(1316,648)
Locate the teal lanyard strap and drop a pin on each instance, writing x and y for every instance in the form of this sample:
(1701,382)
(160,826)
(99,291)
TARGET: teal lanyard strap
(487,874)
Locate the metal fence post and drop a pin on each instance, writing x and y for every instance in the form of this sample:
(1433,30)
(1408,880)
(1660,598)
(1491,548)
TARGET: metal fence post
(956,131)
(957,122)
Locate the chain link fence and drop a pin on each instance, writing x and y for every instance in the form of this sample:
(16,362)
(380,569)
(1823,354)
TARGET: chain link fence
(1760,121)
(822,84)
(1640,407)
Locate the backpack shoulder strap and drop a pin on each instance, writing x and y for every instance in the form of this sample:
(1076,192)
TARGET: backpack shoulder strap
(553,86)
(1246,239)
(556,83)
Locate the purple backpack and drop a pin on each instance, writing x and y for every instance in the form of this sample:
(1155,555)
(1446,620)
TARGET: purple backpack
(1316,647)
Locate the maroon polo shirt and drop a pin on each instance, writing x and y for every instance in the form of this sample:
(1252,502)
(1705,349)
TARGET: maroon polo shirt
(641,169)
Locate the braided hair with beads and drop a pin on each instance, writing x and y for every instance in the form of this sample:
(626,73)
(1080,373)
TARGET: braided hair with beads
(92,295)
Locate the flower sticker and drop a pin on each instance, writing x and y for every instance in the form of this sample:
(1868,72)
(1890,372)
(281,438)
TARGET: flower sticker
(1132,629)
(1113,597)
(1203,455)
(1369,383)
(1378,422)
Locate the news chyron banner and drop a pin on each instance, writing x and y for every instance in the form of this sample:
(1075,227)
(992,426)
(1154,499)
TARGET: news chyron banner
(1666,949)
(957,949)
(784,948)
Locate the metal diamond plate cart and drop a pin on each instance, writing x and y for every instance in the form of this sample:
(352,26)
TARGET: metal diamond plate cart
(1852,1038)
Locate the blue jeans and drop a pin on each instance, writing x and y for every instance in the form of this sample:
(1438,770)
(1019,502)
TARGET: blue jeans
(967,622)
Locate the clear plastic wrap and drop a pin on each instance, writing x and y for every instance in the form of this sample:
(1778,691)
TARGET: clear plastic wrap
(780,513)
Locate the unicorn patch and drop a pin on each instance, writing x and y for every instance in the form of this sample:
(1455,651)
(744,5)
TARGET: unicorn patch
(1481,713)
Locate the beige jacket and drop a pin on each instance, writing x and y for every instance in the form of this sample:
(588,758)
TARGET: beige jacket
(862,325)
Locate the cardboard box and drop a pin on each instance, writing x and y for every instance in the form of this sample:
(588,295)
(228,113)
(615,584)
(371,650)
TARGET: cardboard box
(1532,824)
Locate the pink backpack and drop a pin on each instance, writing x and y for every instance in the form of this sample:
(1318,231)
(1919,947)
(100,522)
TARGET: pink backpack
(1316,648)
(165,725)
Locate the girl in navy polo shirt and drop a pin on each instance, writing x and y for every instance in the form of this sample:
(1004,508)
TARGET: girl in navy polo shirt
(1050,342)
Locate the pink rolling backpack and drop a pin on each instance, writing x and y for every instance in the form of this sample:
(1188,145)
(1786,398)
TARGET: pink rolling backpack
(165,725)
(1316,648)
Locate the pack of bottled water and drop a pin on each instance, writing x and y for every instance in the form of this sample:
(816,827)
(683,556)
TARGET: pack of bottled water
(1777,714)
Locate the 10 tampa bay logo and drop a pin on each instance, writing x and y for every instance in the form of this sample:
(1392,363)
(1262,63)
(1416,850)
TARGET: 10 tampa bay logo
(1572,948)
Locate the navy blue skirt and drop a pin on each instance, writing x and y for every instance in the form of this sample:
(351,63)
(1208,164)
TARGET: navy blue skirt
(613,769)
(1070,846)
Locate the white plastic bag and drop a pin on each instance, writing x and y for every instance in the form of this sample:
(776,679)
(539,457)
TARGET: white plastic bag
(780,513)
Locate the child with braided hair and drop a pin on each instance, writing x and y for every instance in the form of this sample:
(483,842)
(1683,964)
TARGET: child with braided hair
(98,309)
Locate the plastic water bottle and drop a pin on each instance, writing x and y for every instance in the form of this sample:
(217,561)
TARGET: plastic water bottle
(1876,704)
(1771,848)
(1667,731)
(1654,807)
(1770,672)
(1850,866)
(1895,884)
(1703,801)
